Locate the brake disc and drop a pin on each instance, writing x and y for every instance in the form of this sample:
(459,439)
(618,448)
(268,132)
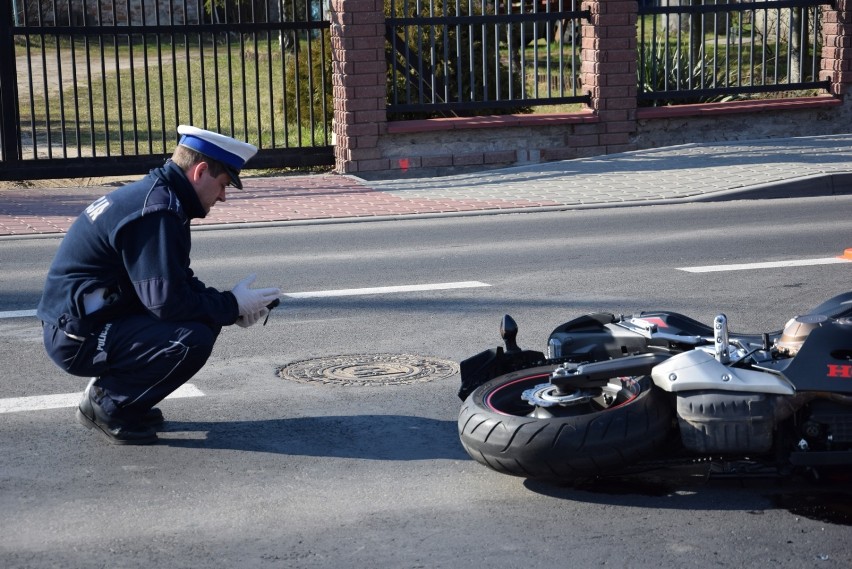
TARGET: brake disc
(546,395)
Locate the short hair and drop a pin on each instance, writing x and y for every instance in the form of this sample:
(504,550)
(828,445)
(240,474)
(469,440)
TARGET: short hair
(186,158)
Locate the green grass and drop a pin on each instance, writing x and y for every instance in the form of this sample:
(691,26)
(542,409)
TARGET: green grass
(127,109)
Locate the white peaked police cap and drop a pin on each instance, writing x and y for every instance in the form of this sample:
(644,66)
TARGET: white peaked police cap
(232,153)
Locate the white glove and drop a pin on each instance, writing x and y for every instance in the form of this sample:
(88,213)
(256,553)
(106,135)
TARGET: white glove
(251,301)
(252,319)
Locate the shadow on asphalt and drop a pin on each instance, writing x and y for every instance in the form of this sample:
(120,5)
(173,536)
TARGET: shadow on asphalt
(827,500)
(368,437)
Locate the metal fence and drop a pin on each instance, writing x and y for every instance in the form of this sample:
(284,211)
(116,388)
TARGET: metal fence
(464,57)
(98,87)
(713,50)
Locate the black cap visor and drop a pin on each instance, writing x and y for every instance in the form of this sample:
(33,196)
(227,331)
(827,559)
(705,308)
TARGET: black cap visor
(235,177)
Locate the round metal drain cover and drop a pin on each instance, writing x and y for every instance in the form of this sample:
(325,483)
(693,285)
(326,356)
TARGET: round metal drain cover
(369,369)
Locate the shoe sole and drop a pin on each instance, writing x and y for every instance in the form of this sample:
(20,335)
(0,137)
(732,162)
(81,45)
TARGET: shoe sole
(90,424)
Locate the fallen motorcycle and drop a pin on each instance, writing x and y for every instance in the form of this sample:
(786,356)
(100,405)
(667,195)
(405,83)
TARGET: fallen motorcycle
(616,392)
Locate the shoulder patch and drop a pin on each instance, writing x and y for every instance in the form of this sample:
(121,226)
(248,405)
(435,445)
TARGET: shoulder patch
(97,208)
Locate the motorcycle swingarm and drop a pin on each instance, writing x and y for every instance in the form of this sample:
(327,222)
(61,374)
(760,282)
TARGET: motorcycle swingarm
(597,374)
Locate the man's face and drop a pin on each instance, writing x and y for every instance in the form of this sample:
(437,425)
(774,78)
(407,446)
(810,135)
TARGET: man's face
(210,189)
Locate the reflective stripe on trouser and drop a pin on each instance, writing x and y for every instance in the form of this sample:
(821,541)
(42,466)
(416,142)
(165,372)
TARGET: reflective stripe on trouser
(138,360)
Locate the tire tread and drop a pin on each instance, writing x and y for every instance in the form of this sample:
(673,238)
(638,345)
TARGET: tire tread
(563,448)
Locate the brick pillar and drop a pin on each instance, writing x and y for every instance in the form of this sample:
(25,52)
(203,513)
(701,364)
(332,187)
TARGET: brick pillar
(609,69)
(359,77)
(837,46)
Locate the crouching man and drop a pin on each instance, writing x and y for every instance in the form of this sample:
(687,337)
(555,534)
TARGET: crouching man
(121,302)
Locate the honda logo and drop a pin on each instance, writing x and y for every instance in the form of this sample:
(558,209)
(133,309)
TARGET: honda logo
(835,370)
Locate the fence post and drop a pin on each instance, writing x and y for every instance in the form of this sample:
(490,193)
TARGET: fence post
(10,148)
(837,46)
(609,69)
(359,79)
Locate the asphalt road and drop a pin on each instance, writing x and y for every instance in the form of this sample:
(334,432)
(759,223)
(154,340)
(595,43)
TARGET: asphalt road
(266,472)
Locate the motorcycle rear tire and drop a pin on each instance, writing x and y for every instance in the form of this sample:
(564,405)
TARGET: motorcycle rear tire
(496,430)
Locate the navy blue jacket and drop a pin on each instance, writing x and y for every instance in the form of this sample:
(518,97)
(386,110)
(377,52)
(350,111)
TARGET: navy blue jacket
(134,244)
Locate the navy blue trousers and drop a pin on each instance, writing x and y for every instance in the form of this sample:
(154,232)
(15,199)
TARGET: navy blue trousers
(137,360)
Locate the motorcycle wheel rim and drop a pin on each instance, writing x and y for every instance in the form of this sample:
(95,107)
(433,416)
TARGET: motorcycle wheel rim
(505,399)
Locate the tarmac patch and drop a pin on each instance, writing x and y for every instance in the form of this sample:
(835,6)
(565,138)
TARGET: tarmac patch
(369,369)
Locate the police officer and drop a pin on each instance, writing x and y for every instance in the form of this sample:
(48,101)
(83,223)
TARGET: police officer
(121,302)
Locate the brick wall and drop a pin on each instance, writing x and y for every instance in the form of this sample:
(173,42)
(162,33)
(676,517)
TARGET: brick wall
(358,79)
(369,146)
(609,70)
(837,45)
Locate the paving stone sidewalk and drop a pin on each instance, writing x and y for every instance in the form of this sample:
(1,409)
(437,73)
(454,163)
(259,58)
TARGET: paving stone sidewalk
(738,169)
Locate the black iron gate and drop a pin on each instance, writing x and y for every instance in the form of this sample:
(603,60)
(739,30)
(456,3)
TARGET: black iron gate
(98,87)
(716,50)
(475,57)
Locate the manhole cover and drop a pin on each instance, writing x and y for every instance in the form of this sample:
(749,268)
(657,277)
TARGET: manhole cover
(369,369)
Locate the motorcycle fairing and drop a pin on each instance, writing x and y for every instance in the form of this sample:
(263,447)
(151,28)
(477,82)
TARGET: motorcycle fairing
(594,337)
(835,307)
(824,363)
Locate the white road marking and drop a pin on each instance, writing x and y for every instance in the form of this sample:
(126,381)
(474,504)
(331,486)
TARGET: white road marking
(766,265)
(62,400)
(17,314)
(16,404)
(327,293)
(385,289)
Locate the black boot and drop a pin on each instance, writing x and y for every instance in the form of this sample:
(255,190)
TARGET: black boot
(116,431)
(151,418)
